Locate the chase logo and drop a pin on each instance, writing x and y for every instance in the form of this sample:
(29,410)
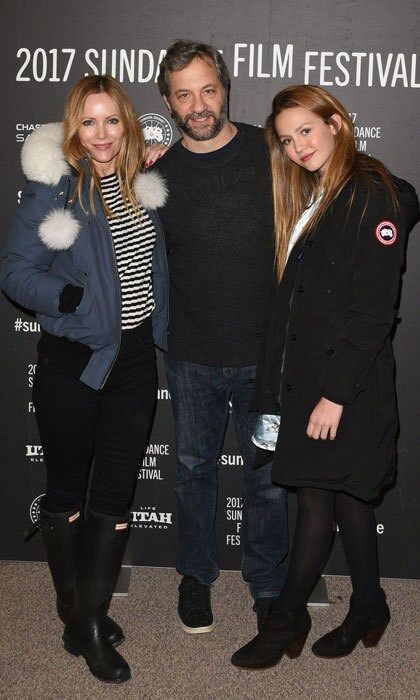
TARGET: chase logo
(23,131)
(156,129)
(34,509)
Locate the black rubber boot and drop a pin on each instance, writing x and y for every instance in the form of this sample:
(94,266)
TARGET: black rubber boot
(103,543)
(62,533)
(365,623)
(281,633)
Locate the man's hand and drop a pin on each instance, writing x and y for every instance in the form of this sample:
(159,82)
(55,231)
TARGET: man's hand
(324,420)
(152,153)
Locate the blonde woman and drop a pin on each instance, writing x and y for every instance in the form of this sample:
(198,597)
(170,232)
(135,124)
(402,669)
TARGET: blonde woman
(85,251)
(325,383)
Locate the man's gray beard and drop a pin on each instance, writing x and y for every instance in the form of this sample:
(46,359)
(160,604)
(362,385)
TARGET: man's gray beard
(204,134)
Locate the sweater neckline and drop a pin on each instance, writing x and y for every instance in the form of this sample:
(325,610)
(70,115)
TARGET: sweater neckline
(213,158)
(108,178)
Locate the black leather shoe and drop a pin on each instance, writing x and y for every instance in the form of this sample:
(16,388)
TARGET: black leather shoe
(62,534)
(103,543)
(194,606)
(362,623)
(282,633)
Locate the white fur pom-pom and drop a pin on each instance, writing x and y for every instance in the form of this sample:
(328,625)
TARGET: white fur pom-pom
(150,190)
(59,230)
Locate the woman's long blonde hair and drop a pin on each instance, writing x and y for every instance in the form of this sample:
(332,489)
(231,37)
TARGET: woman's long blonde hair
(293,186)
(130,157)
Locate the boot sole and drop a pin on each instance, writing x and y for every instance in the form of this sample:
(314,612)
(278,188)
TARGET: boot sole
(107,680)
(197,630)
(75,652)
(337,656)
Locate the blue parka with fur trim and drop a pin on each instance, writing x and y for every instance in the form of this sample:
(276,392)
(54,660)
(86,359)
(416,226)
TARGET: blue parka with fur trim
(52,242)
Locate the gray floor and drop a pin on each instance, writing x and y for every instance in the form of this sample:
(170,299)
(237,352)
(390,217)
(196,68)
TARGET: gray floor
(167,663)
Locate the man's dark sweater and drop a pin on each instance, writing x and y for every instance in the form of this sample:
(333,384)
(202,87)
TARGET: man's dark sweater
(218,223)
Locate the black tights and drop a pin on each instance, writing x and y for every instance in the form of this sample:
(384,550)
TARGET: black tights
(317,511)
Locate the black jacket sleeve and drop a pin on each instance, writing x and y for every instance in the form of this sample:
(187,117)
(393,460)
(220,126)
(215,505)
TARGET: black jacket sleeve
(378,238)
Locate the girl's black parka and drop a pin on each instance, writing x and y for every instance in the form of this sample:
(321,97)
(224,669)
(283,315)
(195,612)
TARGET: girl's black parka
(329,334)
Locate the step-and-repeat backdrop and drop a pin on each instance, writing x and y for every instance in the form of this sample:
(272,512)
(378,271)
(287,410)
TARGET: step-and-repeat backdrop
(365,53)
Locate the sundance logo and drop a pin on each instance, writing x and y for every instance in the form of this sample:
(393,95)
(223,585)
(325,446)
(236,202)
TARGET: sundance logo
(35,453)
(148,518)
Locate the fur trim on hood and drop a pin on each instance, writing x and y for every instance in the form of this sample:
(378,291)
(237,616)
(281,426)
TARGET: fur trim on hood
(42,158)
(43,161)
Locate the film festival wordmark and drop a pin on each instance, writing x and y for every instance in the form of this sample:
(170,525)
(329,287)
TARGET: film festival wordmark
(254,60)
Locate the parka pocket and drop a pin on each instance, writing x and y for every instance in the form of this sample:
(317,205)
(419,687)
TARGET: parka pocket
(85,304)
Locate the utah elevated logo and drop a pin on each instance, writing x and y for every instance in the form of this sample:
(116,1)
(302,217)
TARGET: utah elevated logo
(148,518)
(156,129)
(35,453)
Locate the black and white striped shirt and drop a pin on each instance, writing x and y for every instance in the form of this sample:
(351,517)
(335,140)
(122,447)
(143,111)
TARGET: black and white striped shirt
(134,241)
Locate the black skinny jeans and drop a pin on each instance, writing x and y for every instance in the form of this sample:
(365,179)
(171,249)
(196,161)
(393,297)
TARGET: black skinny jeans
(110,427)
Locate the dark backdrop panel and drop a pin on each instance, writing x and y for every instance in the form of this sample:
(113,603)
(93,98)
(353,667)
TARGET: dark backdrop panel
(354,49)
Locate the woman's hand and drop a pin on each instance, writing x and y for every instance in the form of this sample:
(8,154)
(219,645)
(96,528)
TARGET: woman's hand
(324,420)
(152,153)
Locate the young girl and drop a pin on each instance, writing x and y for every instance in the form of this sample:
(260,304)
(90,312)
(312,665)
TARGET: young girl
(325,382)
